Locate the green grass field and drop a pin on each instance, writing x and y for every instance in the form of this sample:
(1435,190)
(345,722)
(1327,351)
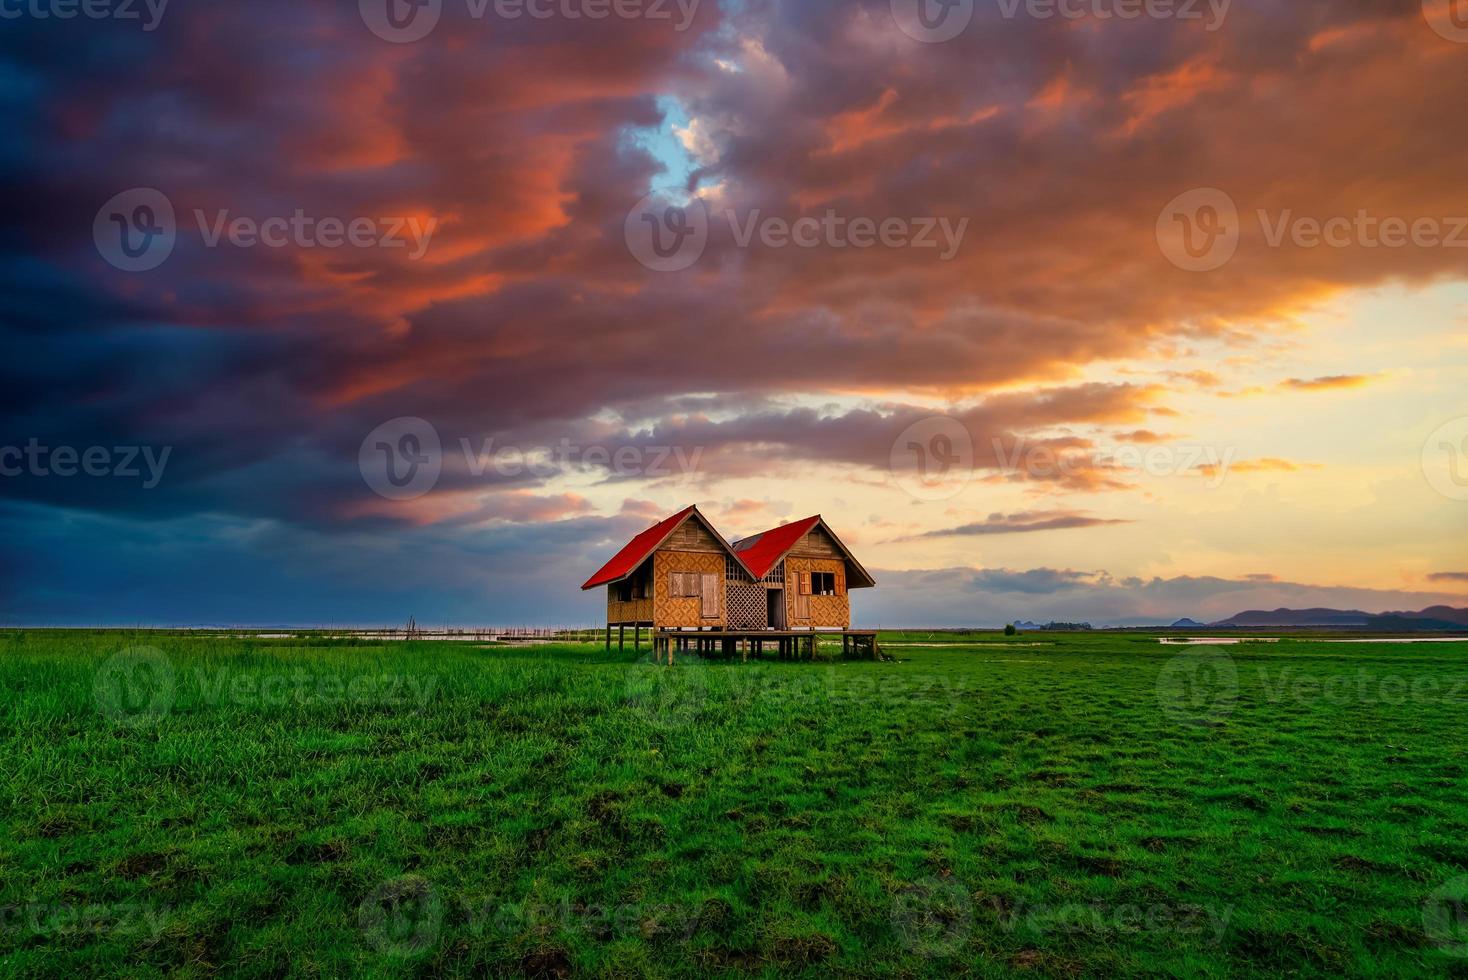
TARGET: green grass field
(1049,805)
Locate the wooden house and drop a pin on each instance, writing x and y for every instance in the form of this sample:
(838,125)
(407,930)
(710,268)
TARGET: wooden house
(803,574)
(681,574)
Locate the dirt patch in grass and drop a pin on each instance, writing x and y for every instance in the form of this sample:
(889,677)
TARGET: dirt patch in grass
(546,964)
(141,865)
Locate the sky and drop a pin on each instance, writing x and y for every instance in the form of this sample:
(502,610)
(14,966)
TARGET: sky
(329,312)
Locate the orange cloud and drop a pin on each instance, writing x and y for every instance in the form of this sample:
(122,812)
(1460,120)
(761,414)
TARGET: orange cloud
(1141,437)
(1329,383)
(1268,464)
(1157,94)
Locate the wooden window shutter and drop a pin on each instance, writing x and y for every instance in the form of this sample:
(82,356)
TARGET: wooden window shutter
(840,580)
(710,597)
(805,583)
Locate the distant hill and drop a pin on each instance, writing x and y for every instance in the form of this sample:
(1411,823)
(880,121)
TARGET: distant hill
(1433,618)
(1186,624)
(1446,614)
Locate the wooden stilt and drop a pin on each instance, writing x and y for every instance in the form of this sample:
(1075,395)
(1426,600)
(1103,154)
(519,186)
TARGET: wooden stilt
(722,644)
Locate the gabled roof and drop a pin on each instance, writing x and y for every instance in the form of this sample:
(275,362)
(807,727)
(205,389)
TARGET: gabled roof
(631,557)
(762,552)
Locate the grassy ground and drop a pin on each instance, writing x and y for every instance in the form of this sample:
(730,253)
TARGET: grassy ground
(1057,805)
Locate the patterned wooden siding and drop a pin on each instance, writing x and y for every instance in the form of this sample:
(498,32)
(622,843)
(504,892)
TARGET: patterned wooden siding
(673,612)
(637,611)
(826,611)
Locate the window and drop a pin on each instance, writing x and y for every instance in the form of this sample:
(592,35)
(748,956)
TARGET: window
(823,583)
(684,585)
(632,589)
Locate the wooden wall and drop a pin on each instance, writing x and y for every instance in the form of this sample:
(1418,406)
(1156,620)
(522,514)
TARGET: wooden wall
(673,613)
(816,544)
(692,536)
(826,611)
(636,611)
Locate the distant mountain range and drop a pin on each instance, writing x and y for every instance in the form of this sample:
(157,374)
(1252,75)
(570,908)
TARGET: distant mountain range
(1431,618)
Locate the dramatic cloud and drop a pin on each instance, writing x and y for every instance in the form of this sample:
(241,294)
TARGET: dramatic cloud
(494,293)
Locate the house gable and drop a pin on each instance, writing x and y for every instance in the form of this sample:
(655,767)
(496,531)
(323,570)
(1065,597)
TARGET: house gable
(693,536)
(687,530)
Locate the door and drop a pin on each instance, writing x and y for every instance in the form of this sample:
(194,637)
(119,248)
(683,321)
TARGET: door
(711,590)
(776,600)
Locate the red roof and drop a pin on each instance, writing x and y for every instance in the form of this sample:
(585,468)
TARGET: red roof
(761,552)
(625,562)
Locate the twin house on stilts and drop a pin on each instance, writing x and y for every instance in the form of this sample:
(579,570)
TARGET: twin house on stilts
(681,574)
